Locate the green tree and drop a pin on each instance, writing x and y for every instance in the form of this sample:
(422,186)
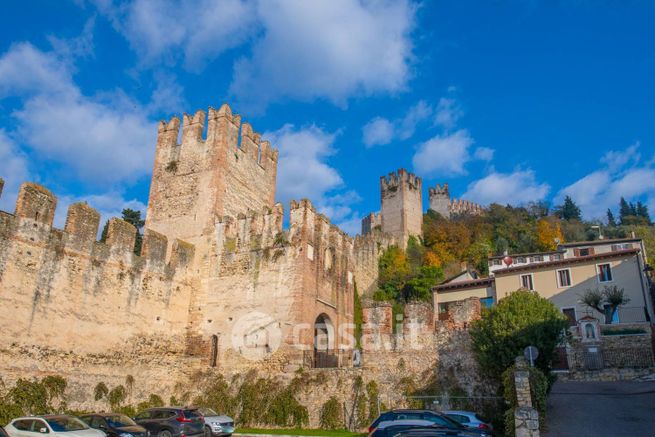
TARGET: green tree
(105,231)
(116,397)
(100,391)
(611,296)
(133,217)
(129,385)
(642,213)
(521,319)
(610,218)
(331,417)
(568,210)
(420,286)
(394,271)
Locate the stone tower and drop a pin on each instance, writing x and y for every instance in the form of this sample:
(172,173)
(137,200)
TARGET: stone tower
(440,200)
(402,205)
(228,172)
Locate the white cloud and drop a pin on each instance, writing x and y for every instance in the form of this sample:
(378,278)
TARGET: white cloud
(444,155)
(168,30)
(448,113)
(25,69)
(102,139)
(330,49)
(517,187)
(378,131)
(304,173)
(621,176)
(416,114)
(13,169)
(616,160)
(326,49)
(484,154)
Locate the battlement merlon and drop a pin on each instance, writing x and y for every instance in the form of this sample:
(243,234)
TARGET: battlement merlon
(252,230)
(82,223)
(401,177)
(36,205)
(36,202)
(438,190)
(222,128)
(307,224)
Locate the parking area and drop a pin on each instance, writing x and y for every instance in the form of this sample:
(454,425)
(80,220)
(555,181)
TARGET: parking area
(623,408)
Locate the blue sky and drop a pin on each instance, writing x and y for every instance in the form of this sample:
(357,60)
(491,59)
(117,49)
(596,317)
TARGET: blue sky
(507,101)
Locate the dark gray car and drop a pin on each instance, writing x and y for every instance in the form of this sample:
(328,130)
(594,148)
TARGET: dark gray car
(171,421)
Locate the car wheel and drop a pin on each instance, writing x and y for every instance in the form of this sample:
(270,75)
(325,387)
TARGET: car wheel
(208,432)
(164,433)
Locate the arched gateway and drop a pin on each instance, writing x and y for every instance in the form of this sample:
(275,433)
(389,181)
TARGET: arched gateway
(324,342)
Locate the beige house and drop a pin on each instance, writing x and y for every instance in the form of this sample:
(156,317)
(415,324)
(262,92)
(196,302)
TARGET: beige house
(564,279)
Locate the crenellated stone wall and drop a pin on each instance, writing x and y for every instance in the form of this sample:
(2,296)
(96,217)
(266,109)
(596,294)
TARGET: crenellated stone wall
(75,306)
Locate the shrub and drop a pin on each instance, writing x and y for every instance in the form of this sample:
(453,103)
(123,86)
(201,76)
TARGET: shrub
(100,391)
(523,318)
(331,415)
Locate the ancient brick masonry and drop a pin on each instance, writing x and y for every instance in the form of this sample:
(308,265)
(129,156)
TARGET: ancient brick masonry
(218,282)
(219,285)
(75,306)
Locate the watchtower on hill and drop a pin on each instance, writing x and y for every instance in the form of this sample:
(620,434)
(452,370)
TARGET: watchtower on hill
(401,205)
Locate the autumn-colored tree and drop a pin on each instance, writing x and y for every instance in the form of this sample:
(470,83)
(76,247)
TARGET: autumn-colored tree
(549,233)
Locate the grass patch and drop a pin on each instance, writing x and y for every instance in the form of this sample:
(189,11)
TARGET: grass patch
(298,431)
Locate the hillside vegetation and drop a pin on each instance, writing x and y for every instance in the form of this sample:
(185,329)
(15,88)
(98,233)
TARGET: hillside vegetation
(466,241)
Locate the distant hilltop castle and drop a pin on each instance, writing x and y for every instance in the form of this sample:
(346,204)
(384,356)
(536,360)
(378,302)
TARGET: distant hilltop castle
(401,209)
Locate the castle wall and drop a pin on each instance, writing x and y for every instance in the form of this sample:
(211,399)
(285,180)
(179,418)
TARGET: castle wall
(266,287)
(441,202)
(402,205)
(368,249)
(371,223)
(85,309)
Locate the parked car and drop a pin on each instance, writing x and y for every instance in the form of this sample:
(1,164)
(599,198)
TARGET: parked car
(422,428)
(424,416)
(59,425)
(2,432)
(172,421)
(216,424)
(470,420)
(115,425)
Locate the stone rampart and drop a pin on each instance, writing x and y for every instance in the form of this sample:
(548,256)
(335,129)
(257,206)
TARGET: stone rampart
(85,309)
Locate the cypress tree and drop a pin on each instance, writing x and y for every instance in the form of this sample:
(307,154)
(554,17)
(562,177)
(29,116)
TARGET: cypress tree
(610,218)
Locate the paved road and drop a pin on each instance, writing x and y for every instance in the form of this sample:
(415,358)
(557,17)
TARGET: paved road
(601,409)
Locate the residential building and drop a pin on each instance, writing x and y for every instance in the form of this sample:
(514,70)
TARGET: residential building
(563,276)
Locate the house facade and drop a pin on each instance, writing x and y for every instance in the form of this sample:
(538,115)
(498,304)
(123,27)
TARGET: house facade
(563,276)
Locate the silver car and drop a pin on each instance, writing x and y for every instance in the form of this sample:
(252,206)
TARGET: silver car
(470,420)
(216,424)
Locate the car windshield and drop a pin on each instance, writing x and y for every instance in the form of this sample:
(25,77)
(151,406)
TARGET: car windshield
(119,421)
(208,412)
(65,424)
